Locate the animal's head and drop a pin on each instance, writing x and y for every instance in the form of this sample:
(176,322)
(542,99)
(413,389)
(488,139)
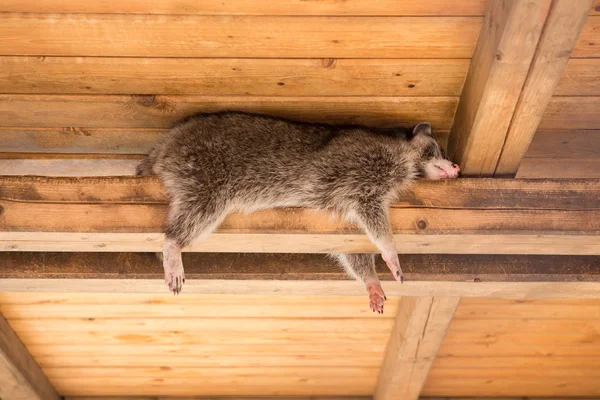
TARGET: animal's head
(432,163)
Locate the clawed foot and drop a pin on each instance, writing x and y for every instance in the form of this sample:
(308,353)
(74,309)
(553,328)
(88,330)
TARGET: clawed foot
(175,278)
(376,297)
(393,263)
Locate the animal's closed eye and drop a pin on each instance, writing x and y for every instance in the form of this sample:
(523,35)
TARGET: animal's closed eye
(443,152)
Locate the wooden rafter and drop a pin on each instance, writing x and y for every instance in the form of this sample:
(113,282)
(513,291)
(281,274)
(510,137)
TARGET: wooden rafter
(507,42)
(420,327)
(20,376)
(565,21)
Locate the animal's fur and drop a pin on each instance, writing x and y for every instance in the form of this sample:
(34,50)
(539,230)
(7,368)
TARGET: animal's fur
(214,164)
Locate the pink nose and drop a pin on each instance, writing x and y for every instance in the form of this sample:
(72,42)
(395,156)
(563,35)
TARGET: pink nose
(456,167)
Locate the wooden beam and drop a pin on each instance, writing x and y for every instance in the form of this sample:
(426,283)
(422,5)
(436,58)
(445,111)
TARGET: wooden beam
(232,266)
(420,327)
(574,290)
(565,21)
(454,217)
(507,42)
(20,376)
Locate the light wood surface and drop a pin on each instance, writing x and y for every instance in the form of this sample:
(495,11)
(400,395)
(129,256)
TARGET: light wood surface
(555,290)
(572,113)
(587,45)
(257,7)
(237,36)
(118,111)
(419,329)
(581,77)
(230,76)
(500,64)
(534,347)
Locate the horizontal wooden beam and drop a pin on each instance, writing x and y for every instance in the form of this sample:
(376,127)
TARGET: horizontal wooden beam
(517,290)
(20,376)
(232,266)
(454,217)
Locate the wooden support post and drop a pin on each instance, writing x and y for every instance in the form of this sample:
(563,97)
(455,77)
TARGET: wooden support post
(509,35)
(421,325)
(21,378)
(565,21)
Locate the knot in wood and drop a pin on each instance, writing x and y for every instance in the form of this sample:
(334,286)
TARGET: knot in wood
(422,224)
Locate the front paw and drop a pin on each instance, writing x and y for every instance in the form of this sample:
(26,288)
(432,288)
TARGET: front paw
(175,278)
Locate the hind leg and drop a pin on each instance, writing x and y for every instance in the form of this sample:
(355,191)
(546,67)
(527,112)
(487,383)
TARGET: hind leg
(187,221)
(362,268)
(375,221)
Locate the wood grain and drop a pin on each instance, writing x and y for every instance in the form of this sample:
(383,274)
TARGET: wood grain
(502,59)
(572,113)
(419,330)
(581,77)
(257,7)
(125,218)
(230,76)
(577,290)
(20,375)
(69,167)
(495,194)
(588,44)
(575,144)
(213,382)
(236,266)
(237,36)
(563,25)
(78,140)
(565,168)
(89,111)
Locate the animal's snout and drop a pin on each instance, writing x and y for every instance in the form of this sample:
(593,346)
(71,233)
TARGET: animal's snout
(456,167)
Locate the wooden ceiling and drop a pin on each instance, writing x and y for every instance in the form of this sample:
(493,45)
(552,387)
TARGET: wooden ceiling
(86,88)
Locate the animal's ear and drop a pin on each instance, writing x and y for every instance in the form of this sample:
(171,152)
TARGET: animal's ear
(422,128)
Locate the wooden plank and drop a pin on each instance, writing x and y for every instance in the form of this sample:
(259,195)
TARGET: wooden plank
(78,140)
(217,382)
(561,144)
(543,364)
(596,8)
(241,7)
(97,306)
(476,382)
(565,168)
(420,328)
(588,44)
(502,58)
(496,194)
(222,359)
(236,398)
(580,78)
(238,36)
(577,290)
(541,242)
(572,113)
(221,77)
(529,309)
(20,375)
(69,167)
(416,267)
(134,218)
(563,25)
(88,111)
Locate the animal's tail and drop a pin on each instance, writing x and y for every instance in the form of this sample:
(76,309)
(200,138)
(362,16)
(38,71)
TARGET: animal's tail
(147,165)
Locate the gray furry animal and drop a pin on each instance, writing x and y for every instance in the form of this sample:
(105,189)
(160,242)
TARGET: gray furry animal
(215,164)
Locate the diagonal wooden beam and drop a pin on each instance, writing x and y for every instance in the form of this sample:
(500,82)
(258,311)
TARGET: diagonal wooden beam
(506,46)
(565,21)
(420,327)
(21,378)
